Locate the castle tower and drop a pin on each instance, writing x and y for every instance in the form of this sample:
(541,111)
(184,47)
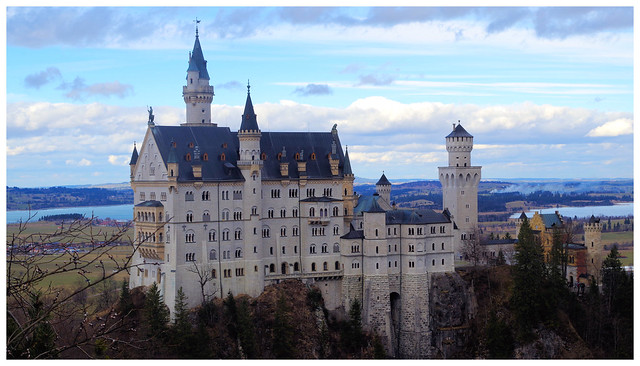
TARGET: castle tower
(250,164)
(460,183)
(593,242)
(383,188)
(198,94)
(347,186)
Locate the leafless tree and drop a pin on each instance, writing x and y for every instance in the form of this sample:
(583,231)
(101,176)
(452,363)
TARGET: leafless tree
(204,272)
(78,249)
(471,247)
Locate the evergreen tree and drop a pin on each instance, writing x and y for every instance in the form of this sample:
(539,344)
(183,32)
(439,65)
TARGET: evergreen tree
(612,277)
(283,331)
(156,312)
(246,330)
(507,236)
(182,326)
(231,313)
(499,340)
(42,342)
(125,303)
(526,298)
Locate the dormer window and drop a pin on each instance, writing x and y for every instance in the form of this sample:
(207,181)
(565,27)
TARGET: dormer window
(223,157)
(279,156)
(191,145)
(224,145)
(263,156)
(188,157)
(297,156)
(205,157)
(313,156)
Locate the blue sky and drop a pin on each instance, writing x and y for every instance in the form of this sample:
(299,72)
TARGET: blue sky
(546,92)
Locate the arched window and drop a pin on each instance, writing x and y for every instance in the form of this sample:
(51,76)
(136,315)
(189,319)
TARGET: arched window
(336,248)
(272,268)
(313,267)
(205,216)
(238,253)
(212,235)
(263,156)
(337,265)
(313,156)
(205,157)
(297,156)
(312,212)
(223,157)
(188,157)
(213,255)
(296,267)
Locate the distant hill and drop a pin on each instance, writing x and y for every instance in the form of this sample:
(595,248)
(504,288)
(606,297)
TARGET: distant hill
(53,197)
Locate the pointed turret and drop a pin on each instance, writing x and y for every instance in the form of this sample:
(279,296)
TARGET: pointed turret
(347,163)
(133,161)
(249,118)
(383,181)
(198,94)
(134,155)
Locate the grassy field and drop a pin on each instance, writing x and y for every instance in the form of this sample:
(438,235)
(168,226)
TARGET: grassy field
(86,258)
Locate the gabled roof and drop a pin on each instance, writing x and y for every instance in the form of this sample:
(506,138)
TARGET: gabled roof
(365,204)
(249,118)
(134,156)
(197,61)
(523,216)
(551,219)
(383,181)
(211,140)
(215,141)
(459,131)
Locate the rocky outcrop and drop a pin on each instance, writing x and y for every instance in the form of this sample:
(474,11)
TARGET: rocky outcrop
(452,306)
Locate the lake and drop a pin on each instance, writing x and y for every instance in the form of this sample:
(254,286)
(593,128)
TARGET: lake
(117,212)
(620,209)
(125,212)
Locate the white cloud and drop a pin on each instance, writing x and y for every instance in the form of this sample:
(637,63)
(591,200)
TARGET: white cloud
(81,162)
(621,126)
(118,160)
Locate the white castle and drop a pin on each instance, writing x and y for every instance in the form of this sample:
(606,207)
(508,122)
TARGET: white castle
(219,211)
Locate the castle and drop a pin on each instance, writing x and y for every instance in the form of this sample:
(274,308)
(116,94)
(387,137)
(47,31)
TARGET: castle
(220,211)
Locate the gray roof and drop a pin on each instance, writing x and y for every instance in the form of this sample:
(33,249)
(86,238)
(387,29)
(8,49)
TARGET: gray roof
(353,233)
(347,163)
(383,181)
(134,156)
(365,203)
(498,241)
(197,61)
(375,207)
(459,131)
(215,141)
(249,118)
(551,219)
(415,217)
(150,204)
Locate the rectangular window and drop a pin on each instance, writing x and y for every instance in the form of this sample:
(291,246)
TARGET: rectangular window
(163,196)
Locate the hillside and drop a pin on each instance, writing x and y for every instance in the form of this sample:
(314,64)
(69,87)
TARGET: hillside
(52,197)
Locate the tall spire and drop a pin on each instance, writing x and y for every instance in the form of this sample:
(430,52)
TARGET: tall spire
(134,155)
(249,118)
(346,170)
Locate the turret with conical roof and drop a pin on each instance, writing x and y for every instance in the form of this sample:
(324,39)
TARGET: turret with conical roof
(249,118)
(347,164)
(198,94)
(134,160)
(383,188)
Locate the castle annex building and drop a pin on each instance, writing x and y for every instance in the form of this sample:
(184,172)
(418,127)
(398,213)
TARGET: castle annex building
(221,211)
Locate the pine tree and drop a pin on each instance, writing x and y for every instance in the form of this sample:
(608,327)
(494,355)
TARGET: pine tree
(246,330)
(528,271)
(156,313)
(283,331)
(125,303)
(182,326)
(43,339)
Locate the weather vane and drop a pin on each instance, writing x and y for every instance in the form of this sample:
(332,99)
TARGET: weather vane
(196,21)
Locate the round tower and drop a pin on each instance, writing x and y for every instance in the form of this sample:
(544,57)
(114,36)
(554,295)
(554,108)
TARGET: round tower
(460,183)
(198,94)
(593,242)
